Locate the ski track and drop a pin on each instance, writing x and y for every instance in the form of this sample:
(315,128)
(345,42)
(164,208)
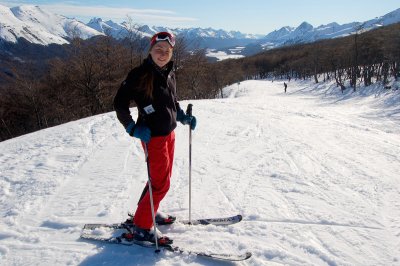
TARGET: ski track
(314,173)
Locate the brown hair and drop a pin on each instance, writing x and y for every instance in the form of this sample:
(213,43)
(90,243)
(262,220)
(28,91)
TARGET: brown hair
(146,84)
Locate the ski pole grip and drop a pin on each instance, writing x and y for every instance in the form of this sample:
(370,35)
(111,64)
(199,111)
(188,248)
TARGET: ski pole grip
(189,109)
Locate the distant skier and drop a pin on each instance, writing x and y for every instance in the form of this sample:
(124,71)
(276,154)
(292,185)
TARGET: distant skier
(152,87)
(285,85)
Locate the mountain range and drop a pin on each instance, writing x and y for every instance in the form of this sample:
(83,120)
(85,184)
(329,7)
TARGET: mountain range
(38,26)
(305,32)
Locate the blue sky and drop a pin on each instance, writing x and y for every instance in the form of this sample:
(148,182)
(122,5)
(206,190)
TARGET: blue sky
(251,16)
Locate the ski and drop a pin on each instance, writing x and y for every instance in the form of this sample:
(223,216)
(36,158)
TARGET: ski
(210,221)
(169,248)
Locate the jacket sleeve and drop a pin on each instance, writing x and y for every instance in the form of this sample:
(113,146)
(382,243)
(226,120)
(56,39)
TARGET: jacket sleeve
(122,101)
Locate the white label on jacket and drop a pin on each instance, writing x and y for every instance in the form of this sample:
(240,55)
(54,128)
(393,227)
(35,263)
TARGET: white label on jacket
(149,109)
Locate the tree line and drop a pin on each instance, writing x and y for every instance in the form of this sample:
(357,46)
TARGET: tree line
(80,82)
(83,79)
(362,58)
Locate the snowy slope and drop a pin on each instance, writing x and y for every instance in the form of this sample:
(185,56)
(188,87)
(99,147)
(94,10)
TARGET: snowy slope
(315,174)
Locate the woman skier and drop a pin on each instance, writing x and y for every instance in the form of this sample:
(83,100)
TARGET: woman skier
(152,87)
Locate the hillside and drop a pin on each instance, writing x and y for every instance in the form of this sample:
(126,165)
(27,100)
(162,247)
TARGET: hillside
(314,172)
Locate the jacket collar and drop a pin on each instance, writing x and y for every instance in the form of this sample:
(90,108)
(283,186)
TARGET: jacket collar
(163,71)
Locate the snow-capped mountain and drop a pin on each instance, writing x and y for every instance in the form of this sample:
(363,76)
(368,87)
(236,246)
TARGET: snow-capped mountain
(119,30)
(204,38)
(306,33)
(39,26)
(100,25)
(212,33)
(224,41)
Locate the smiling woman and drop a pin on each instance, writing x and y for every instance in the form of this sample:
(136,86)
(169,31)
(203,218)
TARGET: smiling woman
(161,54)
(152,87)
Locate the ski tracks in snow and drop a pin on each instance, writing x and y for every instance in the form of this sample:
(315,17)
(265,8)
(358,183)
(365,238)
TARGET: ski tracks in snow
(316,180)
(310,167)
(61,189)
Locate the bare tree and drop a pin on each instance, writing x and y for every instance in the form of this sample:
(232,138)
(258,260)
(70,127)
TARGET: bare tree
(134,40)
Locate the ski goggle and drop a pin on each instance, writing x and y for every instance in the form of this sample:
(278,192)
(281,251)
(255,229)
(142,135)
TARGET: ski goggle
(163,36)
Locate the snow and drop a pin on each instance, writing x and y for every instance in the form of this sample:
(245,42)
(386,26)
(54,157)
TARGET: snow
(305,32)
(39,26)
(221,55)
(314,172)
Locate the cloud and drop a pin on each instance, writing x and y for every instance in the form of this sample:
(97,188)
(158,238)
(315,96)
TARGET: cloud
(140,16)
(117,14)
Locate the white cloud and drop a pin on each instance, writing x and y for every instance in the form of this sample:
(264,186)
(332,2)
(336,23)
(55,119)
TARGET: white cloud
(140,16)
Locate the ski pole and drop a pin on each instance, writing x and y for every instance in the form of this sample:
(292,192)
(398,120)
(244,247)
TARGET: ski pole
(151,196)
(189,112)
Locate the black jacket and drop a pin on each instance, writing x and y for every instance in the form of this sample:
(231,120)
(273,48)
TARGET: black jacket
(158,113)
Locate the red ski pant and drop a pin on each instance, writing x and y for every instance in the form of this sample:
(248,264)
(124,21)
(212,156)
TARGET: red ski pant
(161,159)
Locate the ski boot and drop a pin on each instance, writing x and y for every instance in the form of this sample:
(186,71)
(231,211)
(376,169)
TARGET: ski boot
(161,219)
(146,235)
(164,219)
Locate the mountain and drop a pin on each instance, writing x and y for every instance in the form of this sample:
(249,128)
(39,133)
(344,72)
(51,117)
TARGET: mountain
(229,40)
(119,30)
(203,38)
(306,33)
(39,26)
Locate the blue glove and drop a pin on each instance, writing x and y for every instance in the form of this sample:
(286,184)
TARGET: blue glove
(139,131)
(186,119)
(193,123)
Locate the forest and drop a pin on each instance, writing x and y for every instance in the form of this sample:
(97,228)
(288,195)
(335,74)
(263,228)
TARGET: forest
(81,79)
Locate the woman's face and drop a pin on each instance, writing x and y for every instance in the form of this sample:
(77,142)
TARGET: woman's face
(161,53)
